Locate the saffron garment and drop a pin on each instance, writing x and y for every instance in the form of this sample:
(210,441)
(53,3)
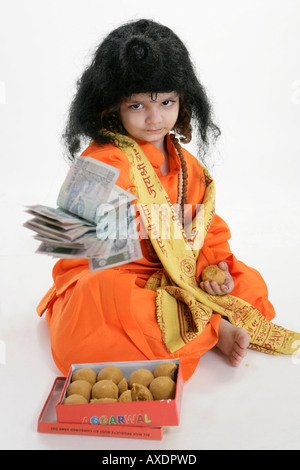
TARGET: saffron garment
(111,315)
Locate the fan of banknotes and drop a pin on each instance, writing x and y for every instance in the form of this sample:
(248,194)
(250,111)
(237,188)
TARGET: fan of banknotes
(95,218)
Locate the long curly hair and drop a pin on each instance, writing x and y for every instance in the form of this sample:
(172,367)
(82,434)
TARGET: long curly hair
(139,57)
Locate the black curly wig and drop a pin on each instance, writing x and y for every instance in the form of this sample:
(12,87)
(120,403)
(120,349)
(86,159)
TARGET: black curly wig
(139,57)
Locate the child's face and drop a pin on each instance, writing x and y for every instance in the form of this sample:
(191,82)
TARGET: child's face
(150,120)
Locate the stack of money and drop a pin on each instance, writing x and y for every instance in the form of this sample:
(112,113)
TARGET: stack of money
(95,218)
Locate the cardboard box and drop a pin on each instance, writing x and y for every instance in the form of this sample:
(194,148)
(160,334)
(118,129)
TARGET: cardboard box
(140,419)
(47,422)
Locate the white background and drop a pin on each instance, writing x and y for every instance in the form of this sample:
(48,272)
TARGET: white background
(247,55)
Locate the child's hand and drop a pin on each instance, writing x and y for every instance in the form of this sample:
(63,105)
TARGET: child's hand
(213,288)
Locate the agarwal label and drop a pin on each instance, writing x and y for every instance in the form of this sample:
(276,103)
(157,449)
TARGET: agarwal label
(119,419)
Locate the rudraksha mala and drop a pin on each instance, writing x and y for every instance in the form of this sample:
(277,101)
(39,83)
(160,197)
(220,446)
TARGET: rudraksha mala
(183,176)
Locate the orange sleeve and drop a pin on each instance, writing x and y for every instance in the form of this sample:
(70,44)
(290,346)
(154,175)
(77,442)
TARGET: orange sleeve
(113,156)
(66,272)
(248,283)
(216,247)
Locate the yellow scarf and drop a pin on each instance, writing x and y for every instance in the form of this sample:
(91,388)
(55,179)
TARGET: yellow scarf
(183,308)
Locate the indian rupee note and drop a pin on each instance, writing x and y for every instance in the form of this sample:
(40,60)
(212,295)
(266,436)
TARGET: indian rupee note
(89,183)
(125,248)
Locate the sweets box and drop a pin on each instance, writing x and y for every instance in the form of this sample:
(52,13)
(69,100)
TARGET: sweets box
(137,419)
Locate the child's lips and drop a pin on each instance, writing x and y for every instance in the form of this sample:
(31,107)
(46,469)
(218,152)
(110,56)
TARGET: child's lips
(154,131)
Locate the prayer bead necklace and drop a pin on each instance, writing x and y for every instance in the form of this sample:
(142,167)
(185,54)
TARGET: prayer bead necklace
(182,177)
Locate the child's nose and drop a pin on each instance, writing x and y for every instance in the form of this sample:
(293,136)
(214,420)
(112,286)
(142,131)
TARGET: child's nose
(153,116)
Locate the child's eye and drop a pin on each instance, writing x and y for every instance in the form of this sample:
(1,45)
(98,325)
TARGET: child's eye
(168,103)
(136,106)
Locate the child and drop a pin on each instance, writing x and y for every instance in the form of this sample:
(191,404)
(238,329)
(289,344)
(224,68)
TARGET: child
(140,86)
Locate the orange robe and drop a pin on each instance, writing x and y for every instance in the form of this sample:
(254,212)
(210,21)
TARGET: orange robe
(108,316)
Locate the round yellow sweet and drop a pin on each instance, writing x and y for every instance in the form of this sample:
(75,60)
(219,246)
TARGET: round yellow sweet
(126,396)
(141,393)
(103,400)
(105,389)
(80,387)
(75,400)
(213,273)
(122,386)
(168,369)
(110,373)
(140,376)
(163,388)
(85,374)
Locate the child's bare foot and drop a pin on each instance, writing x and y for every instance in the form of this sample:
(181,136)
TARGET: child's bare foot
(233,342)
